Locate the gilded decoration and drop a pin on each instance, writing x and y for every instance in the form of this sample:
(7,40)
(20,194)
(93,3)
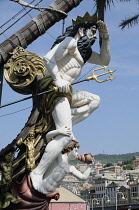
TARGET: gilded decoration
(30,160)
(86,17)
(6,167)
(21,70)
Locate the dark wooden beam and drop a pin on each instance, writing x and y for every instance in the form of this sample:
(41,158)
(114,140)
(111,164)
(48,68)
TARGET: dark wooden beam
(36,27)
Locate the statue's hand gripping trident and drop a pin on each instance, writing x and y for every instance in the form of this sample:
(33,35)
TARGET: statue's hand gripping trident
(92,77)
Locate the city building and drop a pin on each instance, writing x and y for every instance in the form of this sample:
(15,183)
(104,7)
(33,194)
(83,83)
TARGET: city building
(118,191)
(134,190)
(73,184)
(112,169)
(135,162)
(111,191)
(104,184)
(98,166)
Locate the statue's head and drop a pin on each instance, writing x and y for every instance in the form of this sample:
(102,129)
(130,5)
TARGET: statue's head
(72,146)
(85,28)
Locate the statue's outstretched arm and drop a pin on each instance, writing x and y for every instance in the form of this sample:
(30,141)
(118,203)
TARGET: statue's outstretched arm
(78,174)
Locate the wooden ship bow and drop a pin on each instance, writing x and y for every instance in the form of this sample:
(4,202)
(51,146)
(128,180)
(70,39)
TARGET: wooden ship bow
(24,72)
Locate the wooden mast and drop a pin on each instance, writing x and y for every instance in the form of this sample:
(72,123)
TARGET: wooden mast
(36,27)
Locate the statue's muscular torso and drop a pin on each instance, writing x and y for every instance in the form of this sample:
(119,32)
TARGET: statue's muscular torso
(70,67)
(67,58)
(52,176)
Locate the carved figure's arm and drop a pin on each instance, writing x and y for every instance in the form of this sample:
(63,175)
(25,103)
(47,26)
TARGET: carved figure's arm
(104,57)
(56,54)
(78,174)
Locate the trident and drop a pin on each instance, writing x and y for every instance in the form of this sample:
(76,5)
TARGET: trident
(92,77)
(95,77)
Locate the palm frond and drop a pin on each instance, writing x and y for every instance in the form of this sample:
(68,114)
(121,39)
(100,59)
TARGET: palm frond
(129,1)
(103,3)
(129,22)
(109,3)
(125,0)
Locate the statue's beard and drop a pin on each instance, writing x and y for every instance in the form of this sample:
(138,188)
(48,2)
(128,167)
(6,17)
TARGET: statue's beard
(84,46)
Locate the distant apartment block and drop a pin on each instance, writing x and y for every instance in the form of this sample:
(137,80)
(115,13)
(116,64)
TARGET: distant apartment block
(107,188)
(134,188)
(119,189)
(112,169)
(136,162)
(98,167)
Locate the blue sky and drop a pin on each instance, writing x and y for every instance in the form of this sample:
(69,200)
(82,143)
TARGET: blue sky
(113,127)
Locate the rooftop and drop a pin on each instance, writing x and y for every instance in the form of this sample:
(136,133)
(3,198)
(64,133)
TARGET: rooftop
(67,196)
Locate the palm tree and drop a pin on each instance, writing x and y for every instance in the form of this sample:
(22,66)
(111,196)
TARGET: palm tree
(102,5)
(130,21)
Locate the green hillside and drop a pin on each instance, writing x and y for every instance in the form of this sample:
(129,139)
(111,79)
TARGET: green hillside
(105,158)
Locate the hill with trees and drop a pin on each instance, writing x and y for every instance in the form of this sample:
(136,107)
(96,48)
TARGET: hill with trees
(105,158)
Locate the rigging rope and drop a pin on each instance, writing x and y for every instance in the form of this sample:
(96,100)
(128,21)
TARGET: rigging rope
(33,96)
(19,19)
(8,38)
(15,15)
(15,112)
(23,3)
(26,11)
(86,72)
(1,81)
(24,99)
(50,9)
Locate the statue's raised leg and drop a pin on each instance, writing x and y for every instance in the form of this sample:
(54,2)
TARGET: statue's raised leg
(85,103)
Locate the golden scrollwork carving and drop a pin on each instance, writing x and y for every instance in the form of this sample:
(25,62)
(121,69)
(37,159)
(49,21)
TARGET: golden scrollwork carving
(21,70)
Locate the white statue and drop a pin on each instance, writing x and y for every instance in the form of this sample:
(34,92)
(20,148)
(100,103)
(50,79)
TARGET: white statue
(54,165)
(64,63)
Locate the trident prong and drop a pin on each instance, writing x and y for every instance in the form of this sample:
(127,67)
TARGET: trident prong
(95,77)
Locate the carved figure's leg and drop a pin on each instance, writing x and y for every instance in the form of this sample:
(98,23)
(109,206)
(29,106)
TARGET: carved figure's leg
(62,114)
(85,103)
